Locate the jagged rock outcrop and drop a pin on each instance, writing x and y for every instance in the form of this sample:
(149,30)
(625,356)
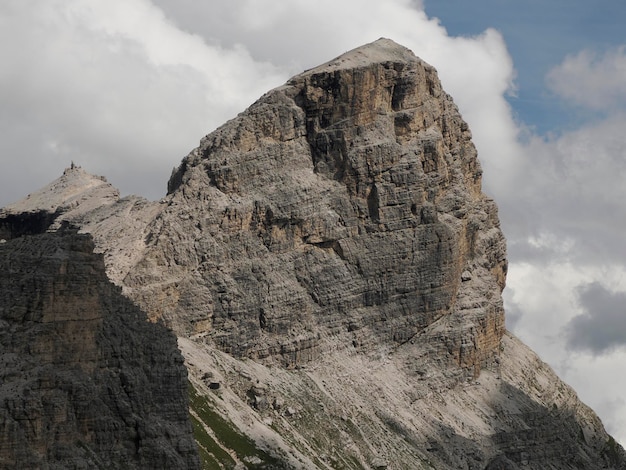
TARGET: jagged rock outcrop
(86,381)
(333,272)
(345,205)
(90,202)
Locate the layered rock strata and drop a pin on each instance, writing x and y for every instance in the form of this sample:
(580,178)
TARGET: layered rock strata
(345,205)
(86,380)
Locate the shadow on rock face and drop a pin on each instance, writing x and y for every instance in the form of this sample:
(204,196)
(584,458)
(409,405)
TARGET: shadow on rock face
(529,436)
(25,223)
(86,381)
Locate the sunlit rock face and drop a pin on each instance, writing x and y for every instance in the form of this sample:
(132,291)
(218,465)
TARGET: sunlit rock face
(344,206)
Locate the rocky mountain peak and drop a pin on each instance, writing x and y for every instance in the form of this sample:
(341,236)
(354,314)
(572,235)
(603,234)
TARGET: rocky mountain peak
(344,206)
(74,188)
(380,51)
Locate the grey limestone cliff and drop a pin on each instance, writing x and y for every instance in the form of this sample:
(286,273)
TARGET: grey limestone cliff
(344,206)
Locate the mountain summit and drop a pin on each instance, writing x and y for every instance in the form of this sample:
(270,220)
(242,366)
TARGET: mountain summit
(334,273)
(343,207)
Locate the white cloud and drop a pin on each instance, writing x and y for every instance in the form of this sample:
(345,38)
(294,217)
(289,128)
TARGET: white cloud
(549,298)
(592,80)
(115,87)
(570,193)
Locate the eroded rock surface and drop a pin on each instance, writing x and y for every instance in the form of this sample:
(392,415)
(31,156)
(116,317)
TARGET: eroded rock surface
(345,204)
(352,411)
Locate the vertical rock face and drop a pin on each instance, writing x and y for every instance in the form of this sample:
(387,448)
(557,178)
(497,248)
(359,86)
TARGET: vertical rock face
(344,206)
(86,381)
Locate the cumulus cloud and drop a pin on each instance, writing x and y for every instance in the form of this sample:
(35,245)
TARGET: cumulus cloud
(568,198)
(602,326)
(113,86)
(563,201)
(590,79)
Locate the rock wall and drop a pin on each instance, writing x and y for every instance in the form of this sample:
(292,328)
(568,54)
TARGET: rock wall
(86,381)
(344,206)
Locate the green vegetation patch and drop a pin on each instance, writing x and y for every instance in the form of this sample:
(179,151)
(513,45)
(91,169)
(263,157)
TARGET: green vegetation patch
(212,453)
(612,451)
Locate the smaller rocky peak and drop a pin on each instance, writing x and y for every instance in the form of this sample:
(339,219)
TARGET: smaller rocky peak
(75,187)
(89,203)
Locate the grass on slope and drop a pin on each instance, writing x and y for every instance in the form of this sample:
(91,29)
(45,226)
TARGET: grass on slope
(212,453)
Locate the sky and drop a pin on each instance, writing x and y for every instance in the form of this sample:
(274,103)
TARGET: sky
(126,88)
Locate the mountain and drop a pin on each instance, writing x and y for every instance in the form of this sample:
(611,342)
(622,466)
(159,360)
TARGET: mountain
(333,272)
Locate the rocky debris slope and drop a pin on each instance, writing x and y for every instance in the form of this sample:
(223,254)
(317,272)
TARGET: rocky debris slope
(334,274)
(353,411)
(86,380)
